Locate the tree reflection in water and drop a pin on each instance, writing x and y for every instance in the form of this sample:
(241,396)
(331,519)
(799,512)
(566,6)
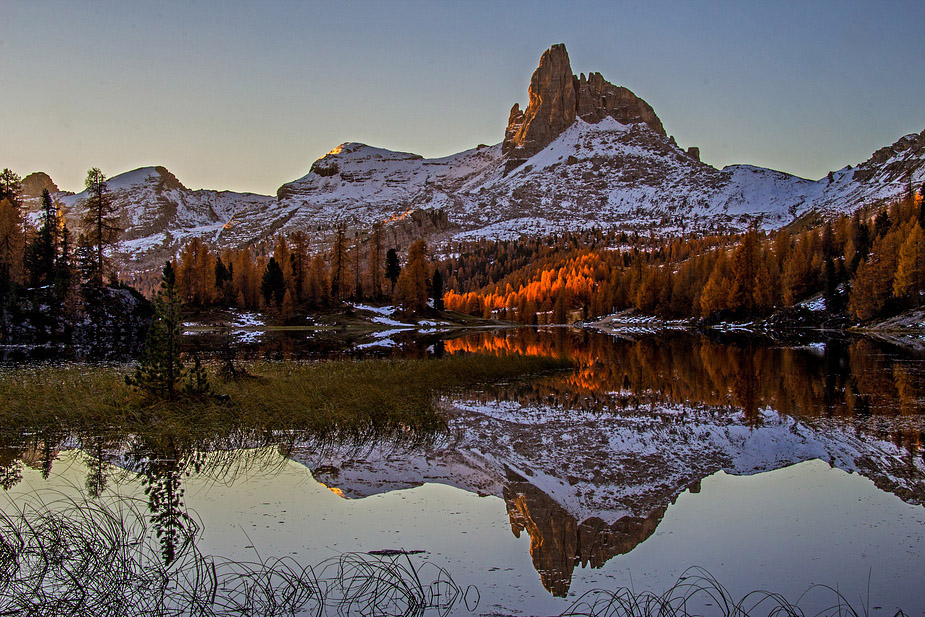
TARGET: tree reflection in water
(168,449)
(851,379)
(854,383)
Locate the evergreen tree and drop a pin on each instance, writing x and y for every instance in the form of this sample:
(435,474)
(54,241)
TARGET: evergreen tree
(86,262)
(11,187)
(43,249)
(64,269)
(100,222)
(160,370)
(273,283)
(222,274)
(392,267)
(436,287)
(882,224)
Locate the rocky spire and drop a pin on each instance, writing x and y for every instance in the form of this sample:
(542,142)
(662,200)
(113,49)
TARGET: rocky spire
(557,97)
(552,105)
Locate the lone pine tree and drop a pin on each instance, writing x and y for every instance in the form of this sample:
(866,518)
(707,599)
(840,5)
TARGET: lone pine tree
(160,371)
(101,223)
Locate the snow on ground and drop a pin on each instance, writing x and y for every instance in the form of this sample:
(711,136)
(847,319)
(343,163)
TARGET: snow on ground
(383,314)
(630,323)
(385,343)
(815,304)
(247,327)
(388,321)
(379,310)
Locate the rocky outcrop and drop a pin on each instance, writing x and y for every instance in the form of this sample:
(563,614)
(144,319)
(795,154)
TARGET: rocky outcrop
(557,98)
(553,101)
(35,183)
(899,161)
(598,99)
(558,542)
(90,323)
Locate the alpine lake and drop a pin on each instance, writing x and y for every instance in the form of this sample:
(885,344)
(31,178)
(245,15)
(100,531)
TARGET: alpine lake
(660,467)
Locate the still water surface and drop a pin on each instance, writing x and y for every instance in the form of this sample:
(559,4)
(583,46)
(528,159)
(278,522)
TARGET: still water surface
(771,467)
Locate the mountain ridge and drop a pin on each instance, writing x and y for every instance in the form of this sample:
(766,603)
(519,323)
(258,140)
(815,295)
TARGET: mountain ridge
(583,154)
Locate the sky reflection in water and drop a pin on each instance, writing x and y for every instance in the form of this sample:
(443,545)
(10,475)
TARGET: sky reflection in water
(647,459)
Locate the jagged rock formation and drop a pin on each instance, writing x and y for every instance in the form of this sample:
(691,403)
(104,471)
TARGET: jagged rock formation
(557,98)
(559,542)
(553,102)
(901,161)
(35,183)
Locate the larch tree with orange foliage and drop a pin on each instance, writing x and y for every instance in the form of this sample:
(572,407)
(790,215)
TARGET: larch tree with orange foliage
(300,265)
(12,245)
(873,282)
(909,281)
(411,288)
(196,274)
(318,287)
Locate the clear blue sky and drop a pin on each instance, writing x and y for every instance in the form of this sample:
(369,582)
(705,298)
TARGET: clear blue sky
(245,96)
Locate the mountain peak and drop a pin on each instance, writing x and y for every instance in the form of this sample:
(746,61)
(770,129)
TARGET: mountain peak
(143,176)
(35,183)
(557,98)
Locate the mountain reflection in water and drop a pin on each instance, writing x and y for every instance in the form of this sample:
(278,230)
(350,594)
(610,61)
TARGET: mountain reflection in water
(586,461)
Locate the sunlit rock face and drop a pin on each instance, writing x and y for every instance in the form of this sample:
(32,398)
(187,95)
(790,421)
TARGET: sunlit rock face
(35,183)
(553,102)
(557,98)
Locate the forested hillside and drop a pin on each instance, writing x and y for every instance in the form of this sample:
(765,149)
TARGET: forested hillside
(868,265)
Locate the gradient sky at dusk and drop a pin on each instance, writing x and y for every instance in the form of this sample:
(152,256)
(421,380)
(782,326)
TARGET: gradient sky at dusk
(245,96)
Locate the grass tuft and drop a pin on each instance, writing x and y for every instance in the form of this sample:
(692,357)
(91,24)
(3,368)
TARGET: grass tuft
(105,560)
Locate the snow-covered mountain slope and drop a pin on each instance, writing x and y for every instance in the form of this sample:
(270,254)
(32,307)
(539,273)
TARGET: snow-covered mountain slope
(592,175)
(359,185)
(158,214)
(584,154)
(605,175)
